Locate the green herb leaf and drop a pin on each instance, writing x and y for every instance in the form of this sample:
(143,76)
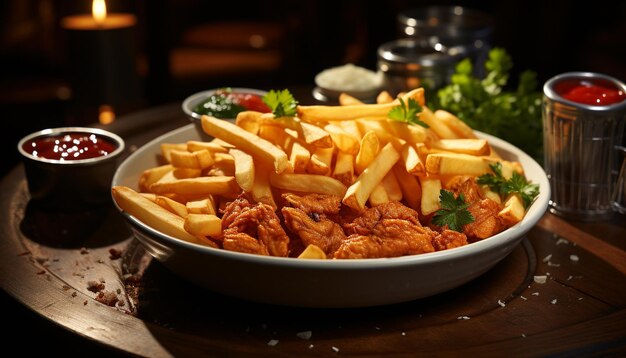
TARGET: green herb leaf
(281,103)
(407,112)
(516,185)
(453,211)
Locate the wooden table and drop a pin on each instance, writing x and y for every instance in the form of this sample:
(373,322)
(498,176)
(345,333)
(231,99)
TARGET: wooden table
(48,259)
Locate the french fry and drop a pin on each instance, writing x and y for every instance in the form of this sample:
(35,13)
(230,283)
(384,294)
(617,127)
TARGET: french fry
(312,252)
(167,148)
(344,113)
(343,141)
(246,141)
(203,225)
(308,183)
(438,127)
(466,146)
(249,121)
(183,173)
(455,124)
(513,211)
(310,133)
(153,175)
(152,214)
(392,187)
(150,196)
(408,132)
(430,194)
(244,169)
(412,161)
(275,135)
(203,206)
(378,196)
(347,100)
(194,146)
(198,186)
(384,97)
(368,149)
(320,161)
(299,157)
(351,128)
(171,205)
(344,168)
(411,190)
(456,164)
(358,193)
(261,190)
(196,160)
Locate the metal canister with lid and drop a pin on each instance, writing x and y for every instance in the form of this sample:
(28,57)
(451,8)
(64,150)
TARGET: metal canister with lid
(410,63)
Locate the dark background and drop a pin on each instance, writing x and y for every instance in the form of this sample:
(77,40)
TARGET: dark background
(189,45)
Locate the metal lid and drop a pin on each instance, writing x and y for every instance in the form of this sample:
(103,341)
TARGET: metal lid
(453,24)
(411,55)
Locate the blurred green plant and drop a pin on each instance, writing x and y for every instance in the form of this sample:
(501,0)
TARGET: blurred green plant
(486,105)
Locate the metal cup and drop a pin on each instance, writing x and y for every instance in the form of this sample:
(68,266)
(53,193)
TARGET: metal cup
(580,148)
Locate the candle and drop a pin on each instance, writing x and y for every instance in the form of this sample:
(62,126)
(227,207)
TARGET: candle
(102,57)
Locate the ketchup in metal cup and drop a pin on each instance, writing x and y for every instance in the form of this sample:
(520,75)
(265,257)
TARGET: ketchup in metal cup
(594,92)
(70,146)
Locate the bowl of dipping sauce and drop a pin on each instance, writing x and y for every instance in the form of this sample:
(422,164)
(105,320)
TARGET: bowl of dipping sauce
(355,81)
(224,103)
(70,167)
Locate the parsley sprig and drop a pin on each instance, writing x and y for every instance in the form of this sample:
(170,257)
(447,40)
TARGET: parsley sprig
(453,211)
(407,112)
(516,185)
(281,103)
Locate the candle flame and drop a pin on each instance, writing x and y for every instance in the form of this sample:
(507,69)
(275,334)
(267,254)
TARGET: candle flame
(99,10)
(106,114)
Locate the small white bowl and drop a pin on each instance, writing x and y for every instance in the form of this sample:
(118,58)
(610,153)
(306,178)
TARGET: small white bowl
(343,79)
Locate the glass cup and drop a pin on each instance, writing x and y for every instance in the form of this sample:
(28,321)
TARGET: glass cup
(584,119)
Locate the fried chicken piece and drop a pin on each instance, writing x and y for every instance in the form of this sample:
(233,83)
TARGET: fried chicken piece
(253,228)
(449,239)
(387,230)
(486,221)
(311,218)
(484,210)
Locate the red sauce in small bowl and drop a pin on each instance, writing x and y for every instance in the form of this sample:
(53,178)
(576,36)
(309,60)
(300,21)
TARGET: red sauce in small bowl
(595,92)
(69,146)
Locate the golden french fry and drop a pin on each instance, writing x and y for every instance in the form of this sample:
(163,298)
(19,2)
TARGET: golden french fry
(152,214)
(221,143)
(384,97)
(392,187)
(312,252)
(198,186)
(171,205)
(246,141)
(411,191)
(456,164)
(466,146)
(344,168)
(202,206)
(183,173)
(249,121)
(261,190)
(412,161)
(347,100)
(194,146)
(343,141)
(455,124)
(368,149)
(275,135)
(378,196)
(299,157)
(490,194)
(150,196)
(379,127)
(310,133)
(203,225)
(344,113)
(244,169)
(197,160)
(320,161)
(308,183)
(351,128)
(358,193)
(153,175)
(167,148)
(513,211)
(168,177)
(438,127)
(431,186)
(411,133)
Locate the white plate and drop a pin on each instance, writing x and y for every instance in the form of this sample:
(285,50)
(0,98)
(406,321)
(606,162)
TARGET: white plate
(328,283)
